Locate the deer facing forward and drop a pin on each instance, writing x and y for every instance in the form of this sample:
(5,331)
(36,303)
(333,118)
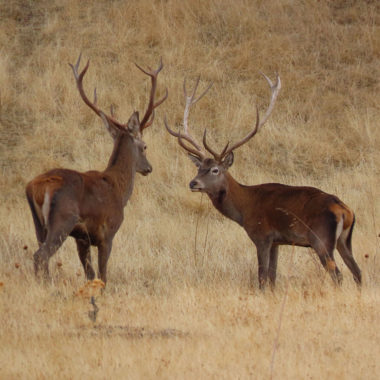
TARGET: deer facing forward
(90,206)
(272,214)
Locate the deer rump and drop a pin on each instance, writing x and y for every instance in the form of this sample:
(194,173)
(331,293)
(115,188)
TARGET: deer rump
(62,194)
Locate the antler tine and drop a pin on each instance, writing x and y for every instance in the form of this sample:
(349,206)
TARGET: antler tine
(186,137)
(217,156)
(246,138)
(192,101)
(104,118)
(79,81)
(195,152)
(194,89)
(147,120)
(76,66)
(150,121)
(151,72)
(224,150)
(162,99)
(275,89)
(189,100)
(203,93)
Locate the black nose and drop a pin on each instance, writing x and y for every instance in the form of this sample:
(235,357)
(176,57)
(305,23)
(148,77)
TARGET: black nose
(192,184)
(148,170)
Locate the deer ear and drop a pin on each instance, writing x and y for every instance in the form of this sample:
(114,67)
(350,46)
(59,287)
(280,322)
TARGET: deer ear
(133,124)
(197,161)
(114,131)
(229,160)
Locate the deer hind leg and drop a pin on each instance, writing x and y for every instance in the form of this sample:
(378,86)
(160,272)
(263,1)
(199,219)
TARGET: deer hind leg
(323,241)
(104,251)
(84,253)
(273,264)
(60,220)
(38,225)
(56,235)
(345,250)
(329,264)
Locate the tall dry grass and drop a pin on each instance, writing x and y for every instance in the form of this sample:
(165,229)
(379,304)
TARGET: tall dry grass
(181,302)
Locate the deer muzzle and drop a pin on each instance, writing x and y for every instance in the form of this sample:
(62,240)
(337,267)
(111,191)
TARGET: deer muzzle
(195,185)
(147,171)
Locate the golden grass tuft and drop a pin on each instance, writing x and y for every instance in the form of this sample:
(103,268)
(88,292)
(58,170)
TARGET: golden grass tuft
(172,309)
(91,289)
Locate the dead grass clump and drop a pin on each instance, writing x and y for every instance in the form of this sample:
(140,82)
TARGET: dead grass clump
(91,289)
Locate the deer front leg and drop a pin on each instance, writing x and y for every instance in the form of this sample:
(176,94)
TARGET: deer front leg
(273,264)
(104,251)
(263,255)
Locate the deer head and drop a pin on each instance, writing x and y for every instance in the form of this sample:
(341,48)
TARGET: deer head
(212,172)
(133,129)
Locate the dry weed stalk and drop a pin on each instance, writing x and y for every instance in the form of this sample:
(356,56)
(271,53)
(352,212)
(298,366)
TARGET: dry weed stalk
(92,314)
(275,343)
(206,234)
(196,232)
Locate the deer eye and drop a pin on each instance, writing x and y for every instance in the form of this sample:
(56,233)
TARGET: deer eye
(215,171)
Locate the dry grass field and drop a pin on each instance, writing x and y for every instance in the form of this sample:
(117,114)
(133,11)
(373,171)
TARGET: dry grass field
(182,299)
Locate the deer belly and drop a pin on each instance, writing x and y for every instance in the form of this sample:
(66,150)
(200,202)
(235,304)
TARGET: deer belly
(82,232)
(292,238)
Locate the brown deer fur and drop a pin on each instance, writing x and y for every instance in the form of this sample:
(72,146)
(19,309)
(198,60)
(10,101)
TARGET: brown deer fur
(90,206)
(272,214)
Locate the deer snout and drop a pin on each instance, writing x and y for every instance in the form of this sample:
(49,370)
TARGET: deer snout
(148,170)
(195,185)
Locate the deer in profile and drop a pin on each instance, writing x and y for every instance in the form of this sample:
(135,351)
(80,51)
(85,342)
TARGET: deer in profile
(272,214)
(90,206)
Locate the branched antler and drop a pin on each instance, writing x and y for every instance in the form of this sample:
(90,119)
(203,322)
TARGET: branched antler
(189,101)
(275,89)
(195,148)
(79,80)
(149,114)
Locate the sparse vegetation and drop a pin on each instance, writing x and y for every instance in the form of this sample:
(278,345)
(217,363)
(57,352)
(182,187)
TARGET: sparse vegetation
(170,310)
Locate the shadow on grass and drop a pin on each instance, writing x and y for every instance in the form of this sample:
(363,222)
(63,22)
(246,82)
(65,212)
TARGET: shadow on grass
(129,332)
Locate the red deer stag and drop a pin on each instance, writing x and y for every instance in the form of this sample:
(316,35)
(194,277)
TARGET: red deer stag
(272,214)
(90,206)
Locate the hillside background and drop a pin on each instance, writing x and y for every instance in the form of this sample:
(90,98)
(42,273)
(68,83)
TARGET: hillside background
(182,299)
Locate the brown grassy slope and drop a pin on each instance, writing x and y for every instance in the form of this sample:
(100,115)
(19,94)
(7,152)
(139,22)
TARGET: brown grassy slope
(327,57)
(323,132)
